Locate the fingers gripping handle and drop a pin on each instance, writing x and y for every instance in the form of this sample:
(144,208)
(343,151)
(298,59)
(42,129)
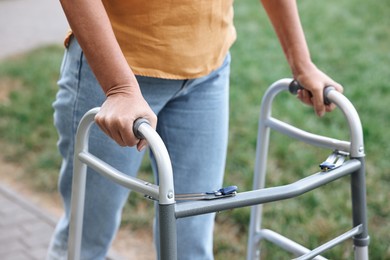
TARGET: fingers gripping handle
(137,123)
(295,86)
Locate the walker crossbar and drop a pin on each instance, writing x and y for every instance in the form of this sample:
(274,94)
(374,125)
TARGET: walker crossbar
(313,139)
(349,234)
(134,184)
(266,195)
(284,243)
(298,249)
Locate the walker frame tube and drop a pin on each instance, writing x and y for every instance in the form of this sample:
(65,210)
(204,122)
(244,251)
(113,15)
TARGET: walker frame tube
(266,195)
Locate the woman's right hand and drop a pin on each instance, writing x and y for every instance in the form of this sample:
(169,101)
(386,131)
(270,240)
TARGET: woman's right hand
(124,104)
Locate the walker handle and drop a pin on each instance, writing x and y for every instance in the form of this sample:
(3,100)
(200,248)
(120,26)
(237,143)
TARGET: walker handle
(295,86)
(137,123)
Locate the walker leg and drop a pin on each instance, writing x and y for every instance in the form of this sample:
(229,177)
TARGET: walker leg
(168,239)
(359,211)
(253,249)
(77,210)
(361,253)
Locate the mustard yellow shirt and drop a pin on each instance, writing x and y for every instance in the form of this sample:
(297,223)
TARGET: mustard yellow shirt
(173,39)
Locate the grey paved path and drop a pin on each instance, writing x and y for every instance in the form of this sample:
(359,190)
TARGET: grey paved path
(26,229)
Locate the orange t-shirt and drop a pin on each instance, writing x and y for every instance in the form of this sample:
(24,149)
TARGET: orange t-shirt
(173,39)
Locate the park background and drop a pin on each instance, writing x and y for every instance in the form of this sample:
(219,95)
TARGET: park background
(349,40)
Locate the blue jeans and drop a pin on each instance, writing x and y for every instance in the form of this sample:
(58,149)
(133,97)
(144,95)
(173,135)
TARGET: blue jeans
(193,123)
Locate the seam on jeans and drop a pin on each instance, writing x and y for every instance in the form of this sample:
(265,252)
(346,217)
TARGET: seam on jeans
(186,85)
(74,122)
(78,88)
(180,91)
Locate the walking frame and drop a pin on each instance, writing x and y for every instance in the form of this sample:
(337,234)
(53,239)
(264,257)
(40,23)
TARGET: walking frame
(335,167)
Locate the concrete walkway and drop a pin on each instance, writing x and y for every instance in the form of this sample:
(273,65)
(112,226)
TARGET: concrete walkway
(25,229)
(27,24)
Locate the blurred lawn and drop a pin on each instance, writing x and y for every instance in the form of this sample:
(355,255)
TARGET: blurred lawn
(349,40)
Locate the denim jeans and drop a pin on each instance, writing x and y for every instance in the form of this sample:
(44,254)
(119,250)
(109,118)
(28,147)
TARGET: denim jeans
(193,123)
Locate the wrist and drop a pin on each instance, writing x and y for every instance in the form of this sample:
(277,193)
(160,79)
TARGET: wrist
(302,67)
(121,89)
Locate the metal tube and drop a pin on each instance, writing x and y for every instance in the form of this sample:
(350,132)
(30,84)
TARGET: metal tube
(352,117)
(134,184)
(167,219)
(164,166)
(359,205)
(168,236)
(78,187)
(361,252)
(285,243)
(309,138)
(77,211)
(266,195)
(331,243)
(262,145)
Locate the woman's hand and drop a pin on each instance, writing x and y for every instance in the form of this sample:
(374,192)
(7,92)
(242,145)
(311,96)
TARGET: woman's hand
(314,82)
(124,104)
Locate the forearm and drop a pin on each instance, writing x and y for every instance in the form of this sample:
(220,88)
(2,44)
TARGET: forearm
(125,103)
(91,26)
(284,17)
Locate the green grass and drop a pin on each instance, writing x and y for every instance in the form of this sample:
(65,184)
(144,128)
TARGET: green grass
(26,127)
(348,39)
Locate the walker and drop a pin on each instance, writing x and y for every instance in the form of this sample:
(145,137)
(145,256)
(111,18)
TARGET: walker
(347,158)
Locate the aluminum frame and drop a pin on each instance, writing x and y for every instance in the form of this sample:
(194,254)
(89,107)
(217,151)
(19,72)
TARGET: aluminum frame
(169,211)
